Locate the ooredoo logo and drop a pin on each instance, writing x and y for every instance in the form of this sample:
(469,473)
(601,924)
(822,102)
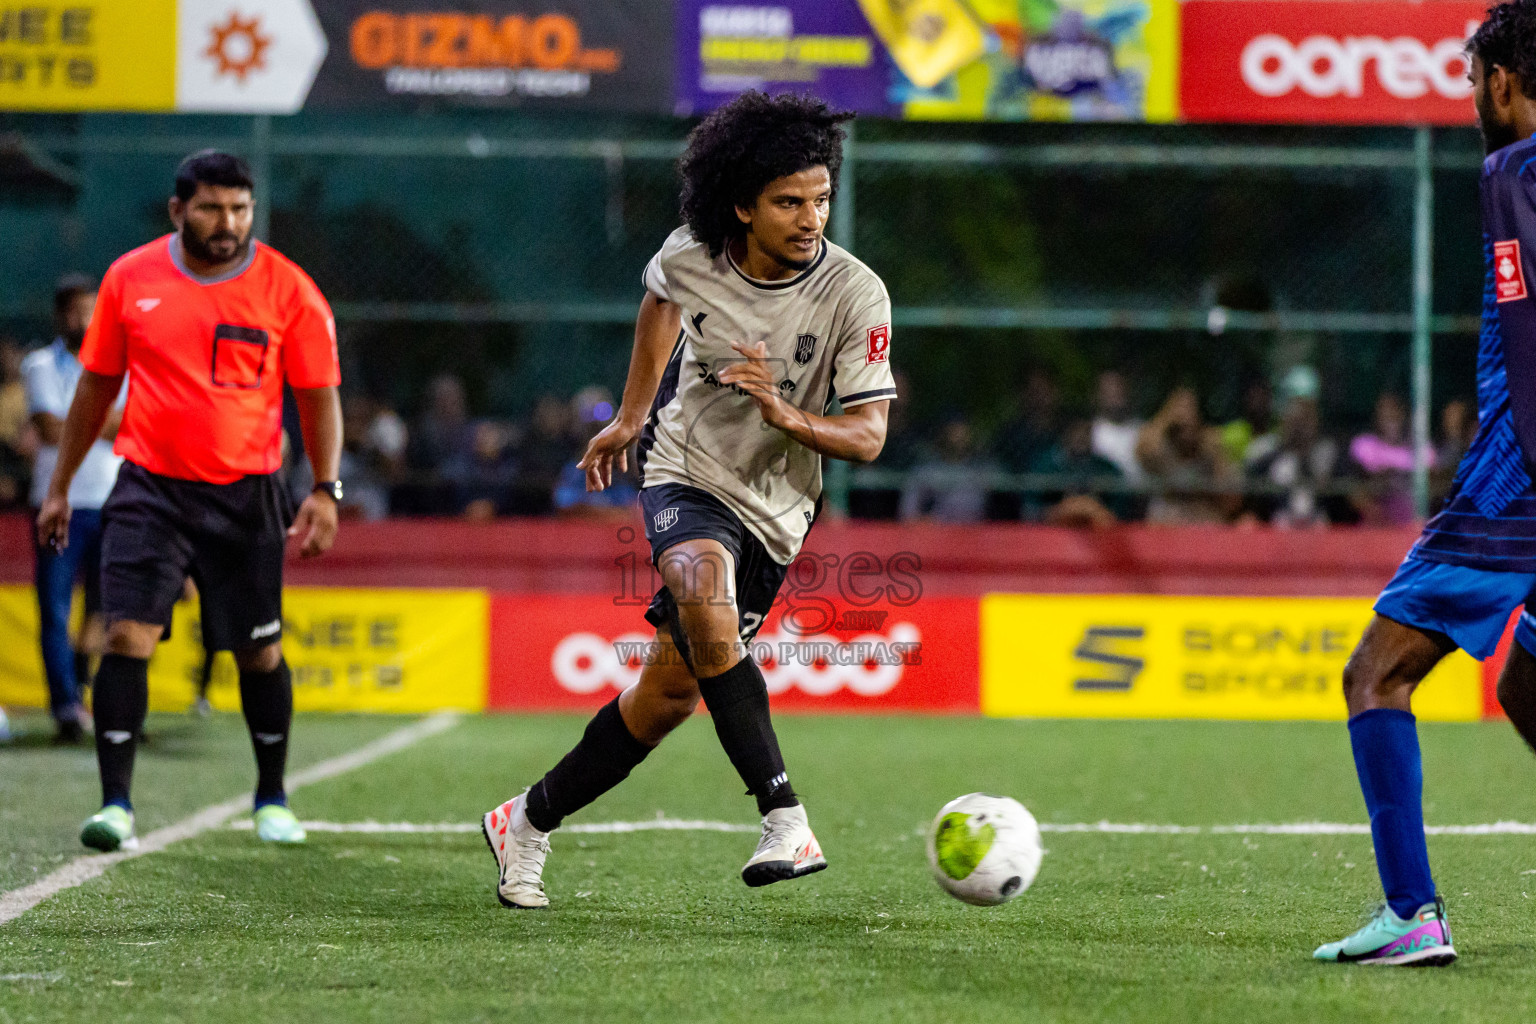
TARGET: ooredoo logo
(870,665)
(1323,66)
(1322,61)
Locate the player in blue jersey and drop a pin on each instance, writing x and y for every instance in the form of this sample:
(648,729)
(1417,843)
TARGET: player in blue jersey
(1476,561)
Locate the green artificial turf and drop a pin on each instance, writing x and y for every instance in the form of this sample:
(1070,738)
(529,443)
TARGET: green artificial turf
(657,925)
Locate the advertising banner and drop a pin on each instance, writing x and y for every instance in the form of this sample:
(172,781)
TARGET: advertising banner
(349,649)
(246,56)
(22,682)
(937,59)
(1324,62)
(602,54)
(1188,657)
(551,652)
(352,649)
(88,55)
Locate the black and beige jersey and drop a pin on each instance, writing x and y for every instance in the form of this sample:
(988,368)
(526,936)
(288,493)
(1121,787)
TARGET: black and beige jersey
(828,333)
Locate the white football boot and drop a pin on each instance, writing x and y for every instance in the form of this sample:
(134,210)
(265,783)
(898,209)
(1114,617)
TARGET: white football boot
(520,850)
(787,849)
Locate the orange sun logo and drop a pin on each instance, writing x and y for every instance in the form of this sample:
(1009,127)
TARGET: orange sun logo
(238,46)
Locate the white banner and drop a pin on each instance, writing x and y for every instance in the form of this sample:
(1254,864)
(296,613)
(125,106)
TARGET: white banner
(246,56)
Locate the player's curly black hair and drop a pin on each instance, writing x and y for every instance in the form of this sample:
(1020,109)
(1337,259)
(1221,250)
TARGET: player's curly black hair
(1508,39)
(738,149)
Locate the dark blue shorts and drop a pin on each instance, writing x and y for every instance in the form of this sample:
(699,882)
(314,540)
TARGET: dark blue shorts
(1471,606)
(675,513)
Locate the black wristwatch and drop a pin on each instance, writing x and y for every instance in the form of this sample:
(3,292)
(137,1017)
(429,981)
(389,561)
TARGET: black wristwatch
(330,488)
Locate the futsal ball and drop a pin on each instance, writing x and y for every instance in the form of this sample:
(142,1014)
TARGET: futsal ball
(984,850)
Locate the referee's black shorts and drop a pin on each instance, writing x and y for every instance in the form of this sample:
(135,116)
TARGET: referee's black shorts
(157,531)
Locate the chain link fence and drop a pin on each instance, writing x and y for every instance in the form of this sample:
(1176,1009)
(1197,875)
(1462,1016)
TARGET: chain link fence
(1023,261)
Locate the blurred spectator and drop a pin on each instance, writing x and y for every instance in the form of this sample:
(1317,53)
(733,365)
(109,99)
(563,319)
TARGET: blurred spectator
(1196,483)
(901,452)
(50,376)
(1383,457)
(1115,431)
(1458,426)
(1299,459)
(385,437)
(902,441)
(372,455)
(1030,435)
(1083,499)
(951,485)
(547,447)
(1257,419)
(482,476)
(442,431)
(18,439)
(593,408)
(440,434)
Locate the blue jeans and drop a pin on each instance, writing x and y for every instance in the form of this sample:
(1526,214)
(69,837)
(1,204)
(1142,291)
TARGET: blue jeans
(56,574)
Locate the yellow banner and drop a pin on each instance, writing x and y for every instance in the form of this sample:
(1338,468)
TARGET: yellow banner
(1184,657)
(349,650)
(88,55)
(21,662)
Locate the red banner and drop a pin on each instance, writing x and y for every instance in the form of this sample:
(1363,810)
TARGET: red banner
(1327,62)
(578,651)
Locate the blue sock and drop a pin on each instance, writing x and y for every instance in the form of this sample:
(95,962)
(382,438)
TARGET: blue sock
(1386,745)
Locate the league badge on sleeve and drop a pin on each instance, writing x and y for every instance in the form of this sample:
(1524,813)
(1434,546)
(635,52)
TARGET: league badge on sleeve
(880,344)
(1508,275)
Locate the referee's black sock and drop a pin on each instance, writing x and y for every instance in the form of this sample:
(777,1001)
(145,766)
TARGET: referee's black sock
(737,700)
(267,700)
(119,703)
(606,755)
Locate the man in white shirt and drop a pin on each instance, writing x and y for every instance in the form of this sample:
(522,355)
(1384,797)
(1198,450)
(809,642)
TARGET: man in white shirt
(1115,429)
(49,376)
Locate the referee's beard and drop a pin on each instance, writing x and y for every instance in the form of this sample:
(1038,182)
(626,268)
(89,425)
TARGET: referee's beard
(219,247)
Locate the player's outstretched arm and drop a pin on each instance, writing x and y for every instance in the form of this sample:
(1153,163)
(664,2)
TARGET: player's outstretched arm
(94,397)
(656,331)
(320,420)
(855,436)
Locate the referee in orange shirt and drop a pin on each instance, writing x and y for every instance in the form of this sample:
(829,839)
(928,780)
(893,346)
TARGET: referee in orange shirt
(207,324)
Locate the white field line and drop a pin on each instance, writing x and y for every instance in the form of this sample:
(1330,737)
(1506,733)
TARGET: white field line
(82,869)
(1300,828)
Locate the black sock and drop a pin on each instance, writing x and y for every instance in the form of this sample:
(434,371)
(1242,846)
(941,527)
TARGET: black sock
(82,672)
(606,755)
(267,700)
(120,700)
(738,702)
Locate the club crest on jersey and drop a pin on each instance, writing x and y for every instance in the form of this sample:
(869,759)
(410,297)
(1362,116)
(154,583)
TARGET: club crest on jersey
(879,345)
(666,519)
(805,344)
(1508,275)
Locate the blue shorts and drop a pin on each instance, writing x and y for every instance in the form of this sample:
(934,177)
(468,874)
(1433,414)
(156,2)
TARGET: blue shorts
(1471,606)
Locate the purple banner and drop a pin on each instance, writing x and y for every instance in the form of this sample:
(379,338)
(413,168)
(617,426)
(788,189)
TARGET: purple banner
(820,46)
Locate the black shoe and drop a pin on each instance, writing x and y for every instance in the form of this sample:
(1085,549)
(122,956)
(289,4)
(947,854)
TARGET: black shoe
(70,733)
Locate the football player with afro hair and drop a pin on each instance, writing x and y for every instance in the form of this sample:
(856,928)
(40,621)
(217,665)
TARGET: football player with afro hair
(751,326)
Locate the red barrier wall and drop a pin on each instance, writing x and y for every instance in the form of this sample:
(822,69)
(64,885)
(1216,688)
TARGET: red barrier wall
(544,555)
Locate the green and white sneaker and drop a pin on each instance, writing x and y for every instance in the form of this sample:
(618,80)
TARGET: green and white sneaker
(109,829)
(276,824)
(1423,940)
